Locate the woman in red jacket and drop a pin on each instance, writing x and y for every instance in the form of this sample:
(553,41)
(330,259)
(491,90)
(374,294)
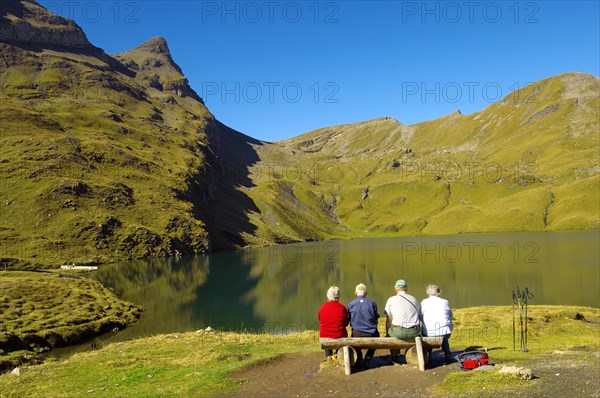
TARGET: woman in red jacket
(333,317)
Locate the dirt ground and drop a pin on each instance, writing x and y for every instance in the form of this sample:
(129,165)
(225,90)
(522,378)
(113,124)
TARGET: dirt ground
(569,374)
(300,376)
(561,374)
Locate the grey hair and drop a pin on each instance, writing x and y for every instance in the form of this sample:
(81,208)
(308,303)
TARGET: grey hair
(433,290)
(333,293)
(360,290)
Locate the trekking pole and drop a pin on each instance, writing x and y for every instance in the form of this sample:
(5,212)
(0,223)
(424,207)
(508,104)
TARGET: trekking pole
(525,297)
(514,299)
(528,295)
(522,323)
(520,305)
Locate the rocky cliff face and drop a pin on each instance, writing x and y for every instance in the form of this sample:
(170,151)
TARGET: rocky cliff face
(26,23)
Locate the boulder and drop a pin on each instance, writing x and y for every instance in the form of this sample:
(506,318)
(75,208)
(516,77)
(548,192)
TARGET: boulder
(521,372)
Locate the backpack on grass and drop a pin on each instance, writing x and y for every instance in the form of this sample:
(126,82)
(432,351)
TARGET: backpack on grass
(470,360)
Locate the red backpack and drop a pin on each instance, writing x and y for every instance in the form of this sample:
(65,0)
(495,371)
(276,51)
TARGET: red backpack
(472,359)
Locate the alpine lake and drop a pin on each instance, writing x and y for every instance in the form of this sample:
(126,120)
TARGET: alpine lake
(279,289)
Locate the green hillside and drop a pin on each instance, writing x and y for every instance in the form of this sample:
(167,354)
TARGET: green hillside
(106,158)
(103,157)
(527,163)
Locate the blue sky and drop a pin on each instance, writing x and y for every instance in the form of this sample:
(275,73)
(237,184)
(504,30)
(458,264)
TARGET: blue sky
(276,69)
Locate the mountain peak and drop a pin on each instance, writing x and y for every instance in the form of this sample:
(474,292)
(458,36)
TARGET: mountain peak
(156,45)
(155,48)
(154,64)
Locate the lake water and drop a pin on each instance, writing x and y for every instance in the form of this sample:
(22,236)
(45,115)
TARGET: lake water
(280,288)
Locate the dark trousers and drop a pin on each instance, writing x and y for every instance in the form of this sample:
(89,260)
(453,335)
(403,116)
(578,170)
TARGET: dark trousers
(371,352)
(445,347)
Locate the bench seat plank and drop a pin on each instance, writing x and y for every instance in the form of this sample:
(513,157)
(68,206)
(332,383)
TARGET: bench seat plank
(377,342)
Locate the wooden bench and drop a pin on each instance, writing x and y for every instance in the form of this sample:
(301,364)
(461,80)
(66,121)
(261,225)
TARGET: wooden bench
(348,344)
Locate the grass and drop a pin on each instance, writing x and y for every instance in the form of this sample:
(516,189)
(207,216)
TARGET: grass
(199,364)
(482,384)
(40,311)
(550,328)
(175,365)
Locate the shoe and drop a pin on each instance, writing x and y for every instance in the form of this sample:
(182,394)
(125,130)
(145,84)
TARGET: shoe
(367,363)
(448,359)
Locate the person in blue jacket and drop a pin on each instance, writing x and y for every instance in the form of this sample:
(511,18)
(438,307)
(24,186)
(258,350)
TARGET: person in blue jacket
(363,320)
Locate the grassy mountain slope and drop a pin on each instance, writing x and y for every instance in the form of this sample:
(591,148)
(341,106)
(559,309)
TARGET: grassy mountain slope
(103,157)
(526,163)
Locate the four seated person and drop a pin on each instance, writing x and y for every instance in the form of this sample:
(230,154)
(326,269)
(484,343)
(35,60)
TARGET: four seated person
(406,318)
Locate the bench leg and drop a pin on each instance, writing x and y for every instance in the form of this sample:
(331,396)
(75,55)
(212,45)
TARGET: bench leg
(420,357)
(348,360)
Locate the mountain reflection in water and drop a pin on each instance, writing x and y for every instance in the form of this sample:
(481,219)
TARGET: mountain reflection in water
(280,288)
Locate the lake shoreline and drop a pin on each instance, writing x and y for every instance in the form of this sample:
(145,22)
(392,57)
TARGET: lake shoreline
(45,310)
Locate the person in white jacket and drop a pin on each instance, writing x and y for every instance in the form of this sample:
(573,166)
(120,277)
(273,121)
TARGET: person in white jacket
(437,319)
